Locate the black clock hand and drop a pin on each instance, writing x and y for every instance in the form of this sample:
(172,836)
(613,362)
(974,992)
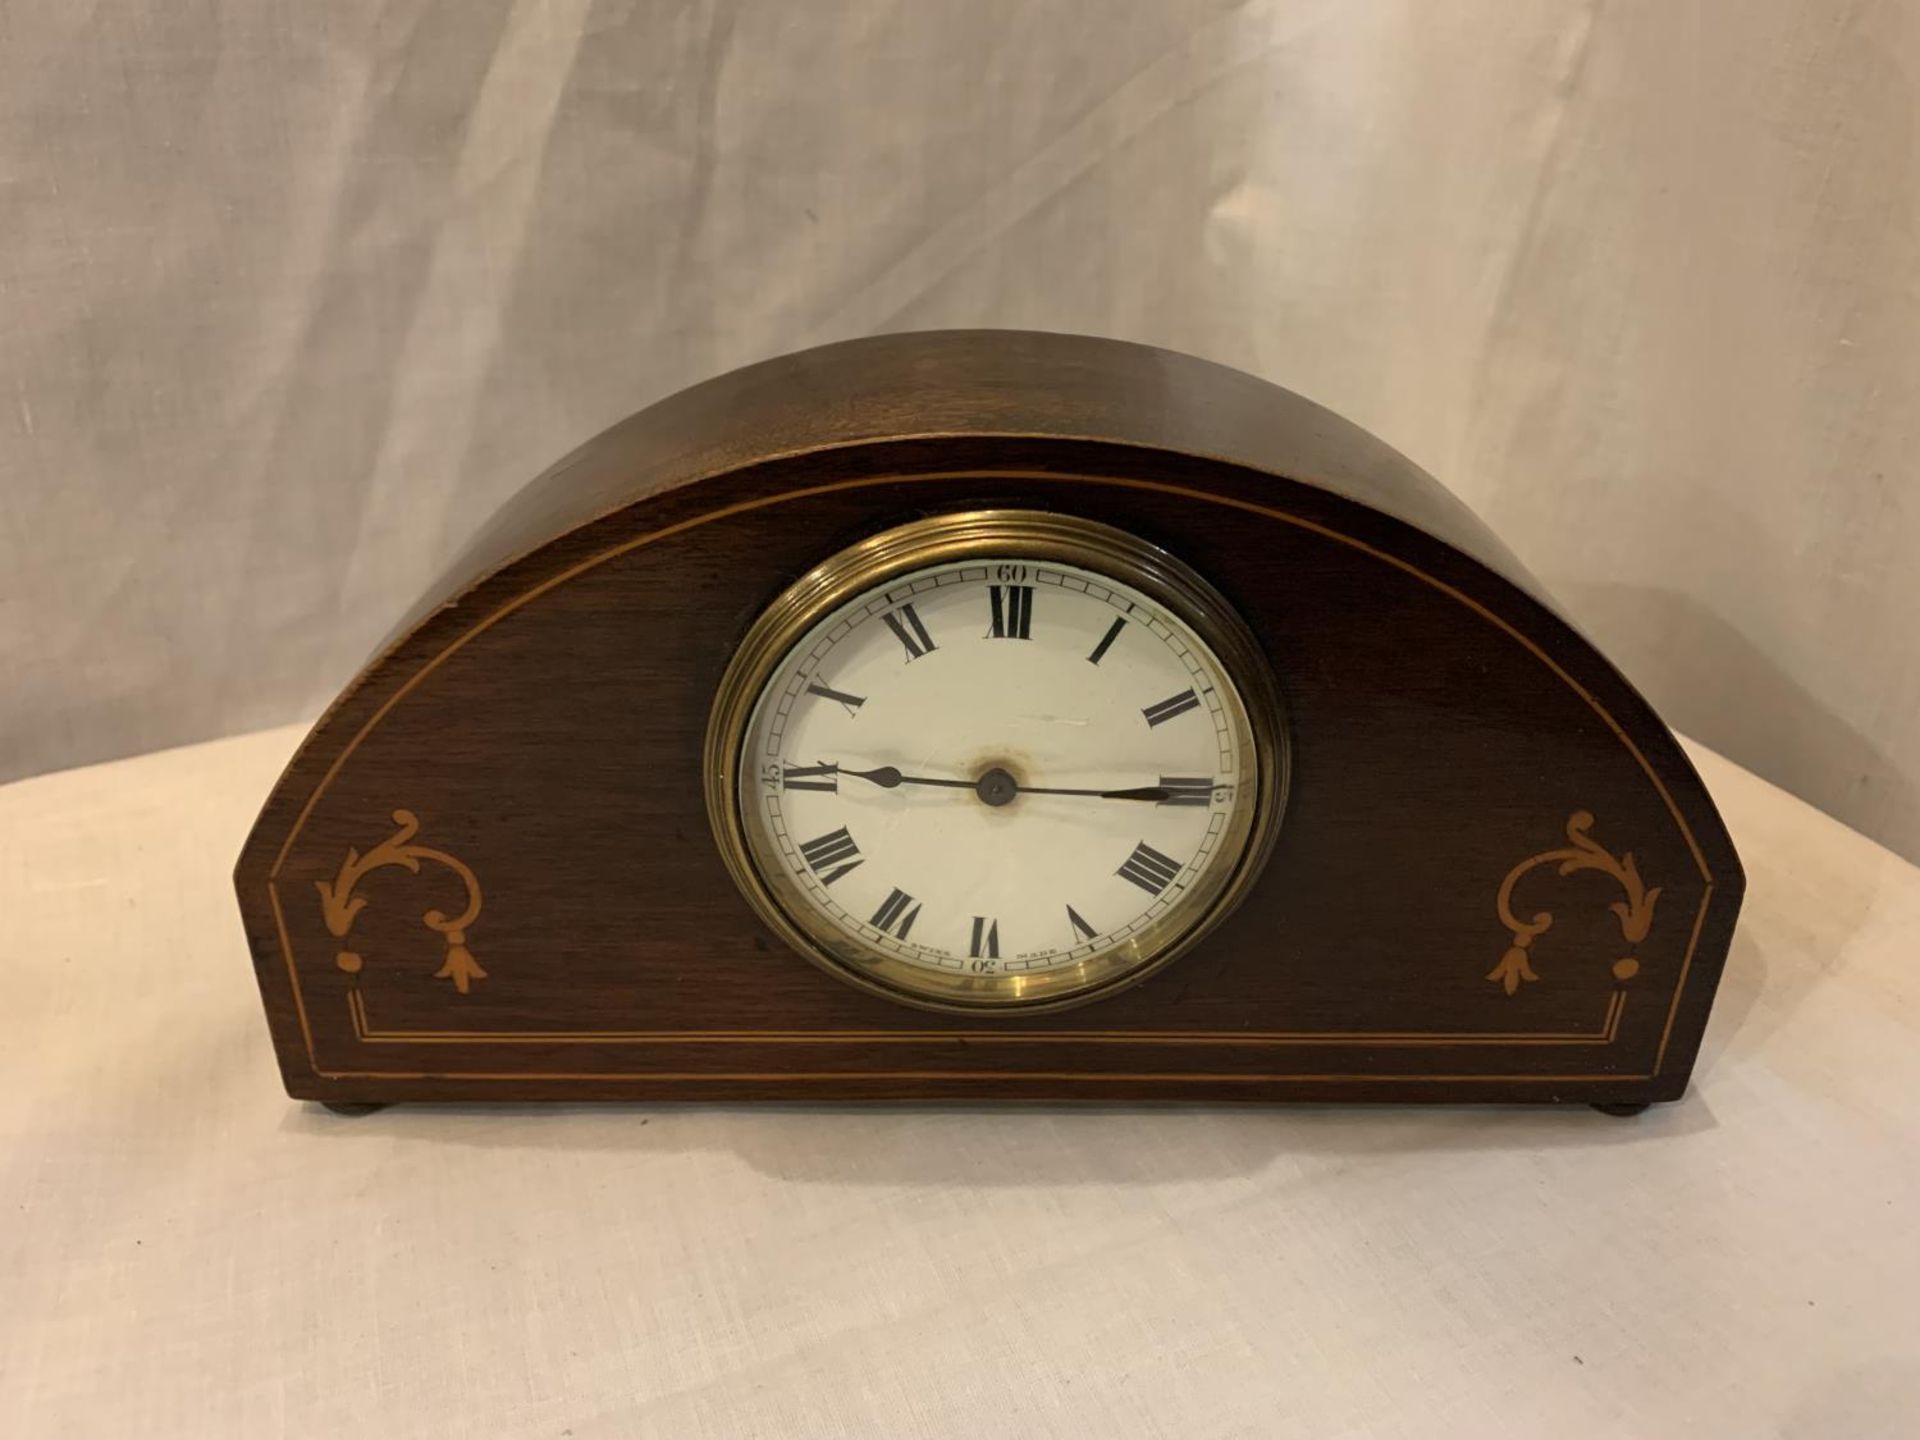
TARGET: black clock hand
(1139,792)
(887,778)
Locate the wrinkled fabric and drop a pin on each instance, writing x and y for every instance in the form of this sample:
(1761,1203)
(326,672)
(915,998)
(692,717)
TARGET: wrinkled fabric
(291,295)
(186,1254)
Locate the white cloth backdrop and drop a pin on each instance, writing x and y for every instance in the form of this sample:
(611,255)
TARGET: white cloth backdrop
(291,294)
(185,1254)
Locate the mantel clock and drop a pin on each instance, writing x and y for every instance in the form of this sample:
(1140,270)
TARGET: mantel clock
(988,716)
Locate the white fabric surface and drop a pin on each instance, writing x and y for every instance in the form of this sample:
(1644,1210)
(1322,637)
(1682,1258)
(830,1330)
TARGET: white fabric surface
(292,294)
(185,1252)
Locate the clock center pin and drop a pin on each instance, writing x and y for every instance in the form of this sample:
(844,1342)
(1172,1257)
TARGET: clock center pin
(996,787)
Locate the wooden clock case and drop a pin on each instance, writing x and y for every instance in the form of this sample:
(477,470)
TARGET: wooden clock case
(488,874)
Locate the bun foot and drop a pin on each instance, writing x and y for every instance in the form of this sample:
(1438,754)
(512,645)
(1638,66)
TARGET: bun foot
(1623,1111)
(357,1107)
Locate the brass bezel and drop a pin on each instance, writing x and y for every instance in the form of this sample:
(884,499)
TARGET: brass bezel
(943,539)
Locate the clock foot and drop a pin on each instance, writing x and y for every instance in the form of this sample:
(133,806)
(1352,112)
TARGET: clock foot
(1625,1110)
(354,1107)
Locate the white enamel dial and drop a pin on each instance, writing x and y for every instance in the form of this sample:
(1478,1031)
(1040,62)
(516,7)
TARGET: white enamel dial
(998,778)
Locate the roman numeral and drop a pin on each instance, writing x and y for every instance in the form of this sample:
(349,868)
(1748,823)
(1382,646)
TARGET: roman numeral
(1187,789)
(827,692)
(1149,869)
(814,777)
(1106,640)
(893,912)
(1162,711)
(1080,927)
(1012,612)
(831,849)
(986,938)
(907,629)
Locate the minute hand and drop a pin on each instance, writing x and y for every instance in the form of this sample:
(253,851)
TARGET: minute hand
(1138,792)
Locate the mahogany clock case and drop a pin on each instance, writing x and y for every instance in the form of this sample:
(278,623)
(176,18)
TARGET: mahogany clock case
(488,873)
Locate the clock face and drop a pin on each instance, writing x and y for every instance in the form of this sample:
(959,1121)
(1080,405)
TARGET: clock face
(1000,779)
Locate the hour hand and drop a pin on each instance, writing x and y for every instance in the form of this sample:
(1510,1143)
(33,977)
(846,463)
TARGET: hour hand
(888,777)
